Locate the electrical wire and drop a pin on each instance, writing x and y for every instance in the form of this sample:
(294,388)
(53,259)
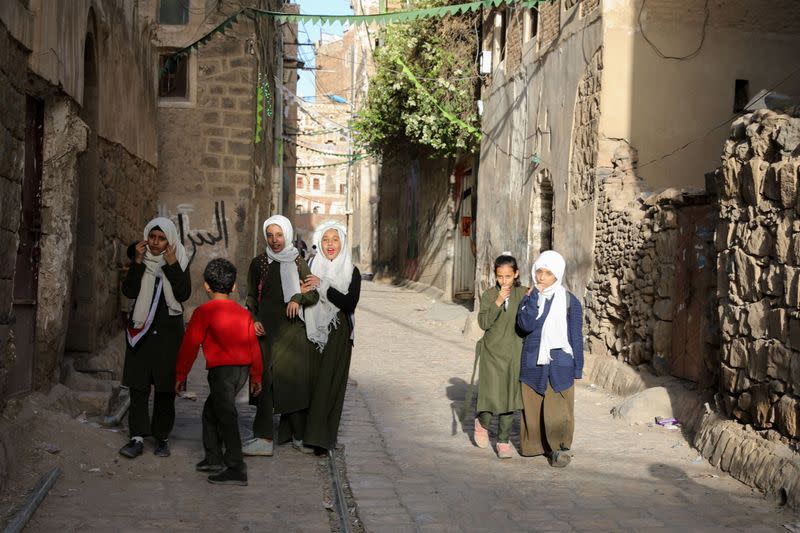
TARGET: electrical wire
(677,58)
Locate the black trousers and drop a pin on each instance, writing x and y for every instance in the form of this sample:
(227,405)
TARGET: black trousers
(291,425)
(139,423)
(220,417)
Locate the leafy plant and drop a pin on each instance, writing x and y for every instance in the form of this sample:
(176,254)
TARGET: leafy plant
(401,113)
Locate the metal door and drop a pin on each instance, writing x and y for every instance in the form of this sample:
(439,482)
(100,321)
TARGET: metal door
(26,274)
(464,267)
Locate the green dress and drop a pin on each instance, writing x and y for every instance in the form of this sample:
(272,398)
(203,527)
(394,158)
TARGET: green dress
(499,351)
(287,352)
(327,401)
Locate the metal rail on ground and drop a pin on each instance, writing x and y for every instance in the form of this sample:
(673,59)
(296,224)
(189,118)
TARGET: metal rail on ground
(33,500)
(338,495)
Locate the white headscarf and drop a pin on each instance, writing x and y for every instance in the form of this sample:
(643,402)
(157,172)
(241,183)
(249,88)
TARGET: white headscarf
(321,317)
(153,264)
(290,279)
(554,332)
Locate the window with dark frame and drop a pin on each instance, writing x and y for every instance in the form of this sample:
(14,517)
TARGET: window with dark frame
(173,12)
(173,80)
(342,188)
(299,182)
(741,95)
(316,184)
(503,31)
(534,29)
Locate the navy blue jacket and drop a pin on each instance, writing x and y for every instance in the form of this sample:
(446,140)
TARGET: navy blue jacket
(564,368)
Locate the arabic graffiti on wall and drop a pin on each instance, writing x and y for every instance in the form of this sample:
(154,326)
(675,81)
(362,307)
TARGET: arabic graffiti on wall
(201,237)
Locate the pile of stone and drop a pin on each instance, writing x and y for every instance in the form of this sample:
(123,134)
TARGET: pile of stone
(758,240)
(631,297)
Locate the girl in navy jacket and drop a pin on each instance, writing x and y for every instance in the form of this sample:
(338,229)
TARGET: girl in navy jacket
(552,358)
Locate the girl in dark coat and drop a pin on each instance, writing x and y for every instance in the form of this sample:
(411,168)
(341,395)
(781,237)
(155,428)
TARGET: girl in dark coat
(329,325)
(158,280)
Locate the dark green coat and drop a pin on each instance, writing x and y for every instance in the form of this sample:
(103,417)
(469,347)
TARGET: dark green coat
(153,359)
(330,385)
(500,351)
(286,351)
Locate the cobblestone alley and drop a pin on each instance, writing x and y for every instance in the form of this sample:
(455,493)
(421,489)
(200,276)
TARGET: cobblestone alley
(412,466)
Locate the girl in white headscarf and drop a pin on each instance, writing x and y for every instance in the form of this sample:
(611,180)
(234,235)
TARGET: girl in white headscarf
(277,304)
(552,358)
(329,325)
(158,281)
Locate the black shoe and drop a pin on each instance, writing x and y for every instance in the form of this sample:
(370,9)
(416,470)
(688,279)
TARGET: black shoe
(133,449)
(162,448)
(229,477)
(319,452)
(205,466)
(558,459)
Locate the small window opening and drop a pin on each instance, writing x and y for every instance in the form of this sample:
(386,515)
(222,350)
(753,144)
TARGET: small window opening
(173,81)
(173,12)
(741,95)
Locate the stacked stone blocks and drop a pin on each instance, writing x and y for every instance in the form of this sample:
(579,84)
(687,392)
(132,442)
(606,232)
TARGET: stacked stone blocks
(226,100)
(583,157)
(550,20)
(631,298)
(12,150)
(759,273)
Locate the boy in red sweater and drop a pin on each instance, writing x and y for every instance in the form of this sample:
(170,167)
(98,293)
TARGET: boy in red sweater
(226,332)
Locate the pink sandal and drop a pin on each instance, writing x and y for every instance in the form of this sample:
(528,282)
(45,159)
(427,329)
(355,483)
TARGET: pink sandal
(504,450)
(481,435)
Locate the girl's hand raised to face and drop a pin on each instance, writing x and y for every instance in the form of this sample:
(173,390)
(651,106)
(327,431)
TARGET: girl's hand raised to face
(505,292)
(169,255)
(141,249)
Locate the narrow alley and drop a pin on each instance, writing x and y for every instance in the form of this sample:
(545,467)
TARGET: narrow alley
(412,465)
(101,491)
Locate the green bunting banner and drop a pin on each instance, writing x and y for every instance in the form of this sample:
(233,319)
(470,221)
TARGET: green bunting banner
(380,18)
(396,16)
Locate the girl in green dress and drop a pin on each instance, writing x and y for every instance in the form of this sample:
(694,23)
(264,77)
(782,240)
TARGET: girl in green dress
(277,305)
(499,352)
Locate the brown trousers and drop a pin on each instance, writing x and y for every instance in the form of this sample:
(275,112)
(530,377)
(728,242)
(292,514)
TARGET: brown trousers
(548,421)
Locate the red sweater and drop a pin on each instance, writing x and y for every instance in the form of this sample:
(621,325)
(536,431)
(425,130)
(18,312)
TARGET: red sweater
(225,330)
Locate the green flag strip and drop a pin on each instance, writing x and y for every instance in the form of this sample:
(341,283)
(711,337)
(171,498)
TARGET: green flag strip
(380,18)
(447,114)
(395,16)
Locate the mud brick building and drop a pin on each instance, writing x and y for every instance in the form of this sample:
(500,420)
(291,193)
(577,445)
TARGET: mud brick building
(78,177)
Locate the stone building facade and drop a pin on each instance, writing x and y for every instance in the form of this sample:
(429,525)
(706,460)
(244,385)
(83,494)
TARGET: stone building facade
(78,178)
(602,142)
(220,173)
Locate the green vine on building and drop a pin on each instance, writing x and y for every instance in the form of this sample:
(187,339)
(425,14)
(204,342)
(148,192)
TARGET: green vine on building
(433,108)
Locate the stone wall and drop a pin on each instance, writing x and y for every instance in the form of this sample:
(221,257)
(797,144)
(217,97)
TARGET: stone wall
(550,22)
(126,199)
(214,179)
(514,38)
(583,156)
(416,213)
(647,301)
(759,273)
(12,136)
